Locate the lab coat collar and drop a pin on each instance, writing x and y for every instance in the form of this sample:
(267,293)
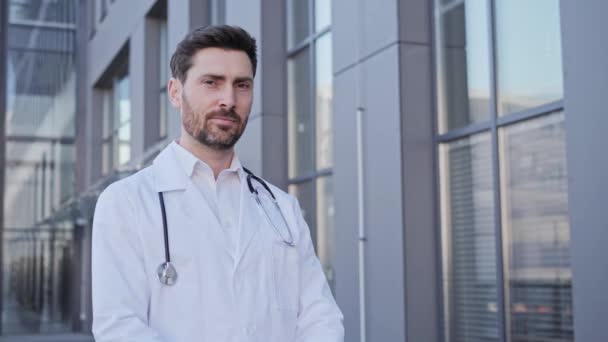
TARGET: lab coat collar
(168,173)
(175,165)
(189,162)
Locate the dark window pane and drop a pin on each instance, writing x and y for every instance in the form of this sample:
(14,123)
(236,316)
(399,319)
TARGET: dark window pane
(528,54)
(463,64)
(536,230)
(469,247)
(300,116)
(298,21)
(305,193)
(325,226)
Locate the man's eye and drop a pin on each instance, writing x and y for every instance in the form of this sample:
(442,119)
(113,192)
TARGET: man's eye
(243,85)
(209,82)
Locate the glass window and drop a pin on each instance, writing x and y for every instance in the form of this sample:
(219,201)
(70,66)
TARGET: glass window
(463,64)
(300,116)
(536,230)
(325,226)
(116,134)
(467,219)
(322,14)
(164,79)
(305,193)
(298,21)
(39,165)
(310,139)
(123,125)
(324,95)
(528,54)
(528,157)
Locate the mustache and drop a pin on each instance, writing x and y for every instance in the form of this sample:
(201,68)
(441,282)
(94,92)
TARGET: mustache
(228,114)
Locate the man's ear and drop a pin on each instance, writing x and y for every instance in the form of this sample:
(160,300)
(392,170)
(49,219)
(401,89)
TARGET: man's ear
(174,89)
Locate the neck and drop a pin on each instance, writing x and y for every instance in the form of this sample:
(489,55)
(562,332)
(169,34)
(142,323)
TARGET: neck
(218,160)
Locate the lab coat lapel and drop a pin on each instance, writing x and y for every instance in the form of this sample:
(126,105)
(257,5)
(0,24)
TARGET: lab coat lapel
(168,176)
(249,220)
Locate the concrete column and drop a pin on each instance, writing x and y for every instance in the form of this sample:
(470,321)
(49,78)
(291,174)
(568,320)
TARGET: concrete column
(585,61)
(263,148)
(382,66)
(366,76)
(137,87)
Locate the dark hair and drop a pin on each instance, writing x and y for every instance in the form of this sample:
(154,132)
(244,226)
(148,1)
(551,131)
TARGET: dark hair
(221,36)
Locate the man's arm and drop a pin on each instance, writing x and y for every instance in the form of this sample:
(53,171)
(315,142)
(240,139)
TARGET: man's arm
(319,318)
(120,285)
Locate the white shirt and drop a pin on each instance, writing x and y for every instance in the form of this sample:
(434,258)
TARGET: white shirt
(223,196)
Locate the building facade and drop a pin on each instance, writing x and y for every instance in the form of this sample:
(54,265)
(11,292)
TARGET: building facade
(447,154)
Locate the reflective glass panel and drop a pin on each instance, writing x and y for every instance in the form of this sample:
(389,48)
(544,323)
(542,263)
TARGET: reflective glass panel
(324,95)
(300,115)
(322,14)
(463,64)
(325,226)
(38,257)
(305,193)
(298,21)
(528,54)
(469,253)
(536,231)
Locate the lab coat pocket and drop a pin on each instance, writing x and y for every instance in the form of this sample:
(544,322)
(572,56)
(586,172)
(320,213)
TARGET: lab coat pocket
(286,276)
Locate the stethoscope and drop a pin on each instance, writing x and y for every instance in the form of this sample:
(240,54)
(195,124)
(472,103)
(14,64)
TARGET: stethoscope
(167,274)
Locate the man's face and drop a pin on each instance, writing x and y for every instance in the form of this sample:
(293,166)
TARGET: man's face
(215,100)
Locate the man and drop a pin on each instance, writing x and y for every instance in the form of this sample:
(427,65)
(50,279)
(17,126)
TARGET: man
(227,264)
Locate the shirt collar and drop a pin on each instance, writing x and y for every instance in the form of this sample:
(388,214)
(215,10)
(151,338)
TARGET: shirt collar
(189,162)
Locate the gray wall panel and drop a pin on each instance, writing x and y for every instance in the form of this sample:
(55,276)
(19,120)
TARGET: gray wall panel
(586,86)
(344,25)
(414,21)
(422,273)
(362,28)
(345,192)
(273,58)
(137,87)
(383,201)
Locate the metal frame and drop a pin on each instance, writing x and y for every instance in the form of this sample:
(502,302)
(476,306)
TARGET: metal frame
(492,125)
(3,72)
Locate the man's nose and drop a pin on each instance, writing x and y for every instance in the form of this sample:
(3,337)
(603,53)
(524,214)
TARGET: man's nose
(227,98)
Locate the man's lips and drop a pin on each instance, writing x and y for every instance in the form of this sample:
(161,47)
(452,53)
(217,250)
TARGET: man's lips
(223,120)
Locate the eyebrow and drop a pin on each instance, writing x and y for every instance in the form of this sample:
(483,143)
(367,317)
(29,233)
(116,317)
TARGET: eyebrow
(222,78)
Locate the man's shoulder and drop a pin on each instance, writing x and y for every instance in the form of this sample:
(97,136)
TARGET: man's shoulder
(130,186)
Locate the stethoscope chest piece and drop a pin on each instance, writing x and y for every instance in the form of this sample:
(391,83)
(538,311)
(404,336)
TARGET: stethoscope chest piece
(166,273)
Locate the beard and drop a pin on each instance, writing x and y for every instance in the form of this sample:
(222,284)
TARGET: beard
(199,126)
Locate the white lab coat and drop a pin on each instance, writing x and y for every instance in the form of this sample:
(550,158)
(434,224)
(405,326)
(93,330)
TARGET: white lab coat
(268,292)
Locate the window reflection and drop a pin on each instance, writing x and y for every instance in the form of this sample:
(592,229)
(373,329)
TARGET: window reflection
(528,53)
(322,14)
(324,95)
(300,116)
(37,239)
(536,229)
(325,226)
(463,64)
(467,218)
(298,26)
